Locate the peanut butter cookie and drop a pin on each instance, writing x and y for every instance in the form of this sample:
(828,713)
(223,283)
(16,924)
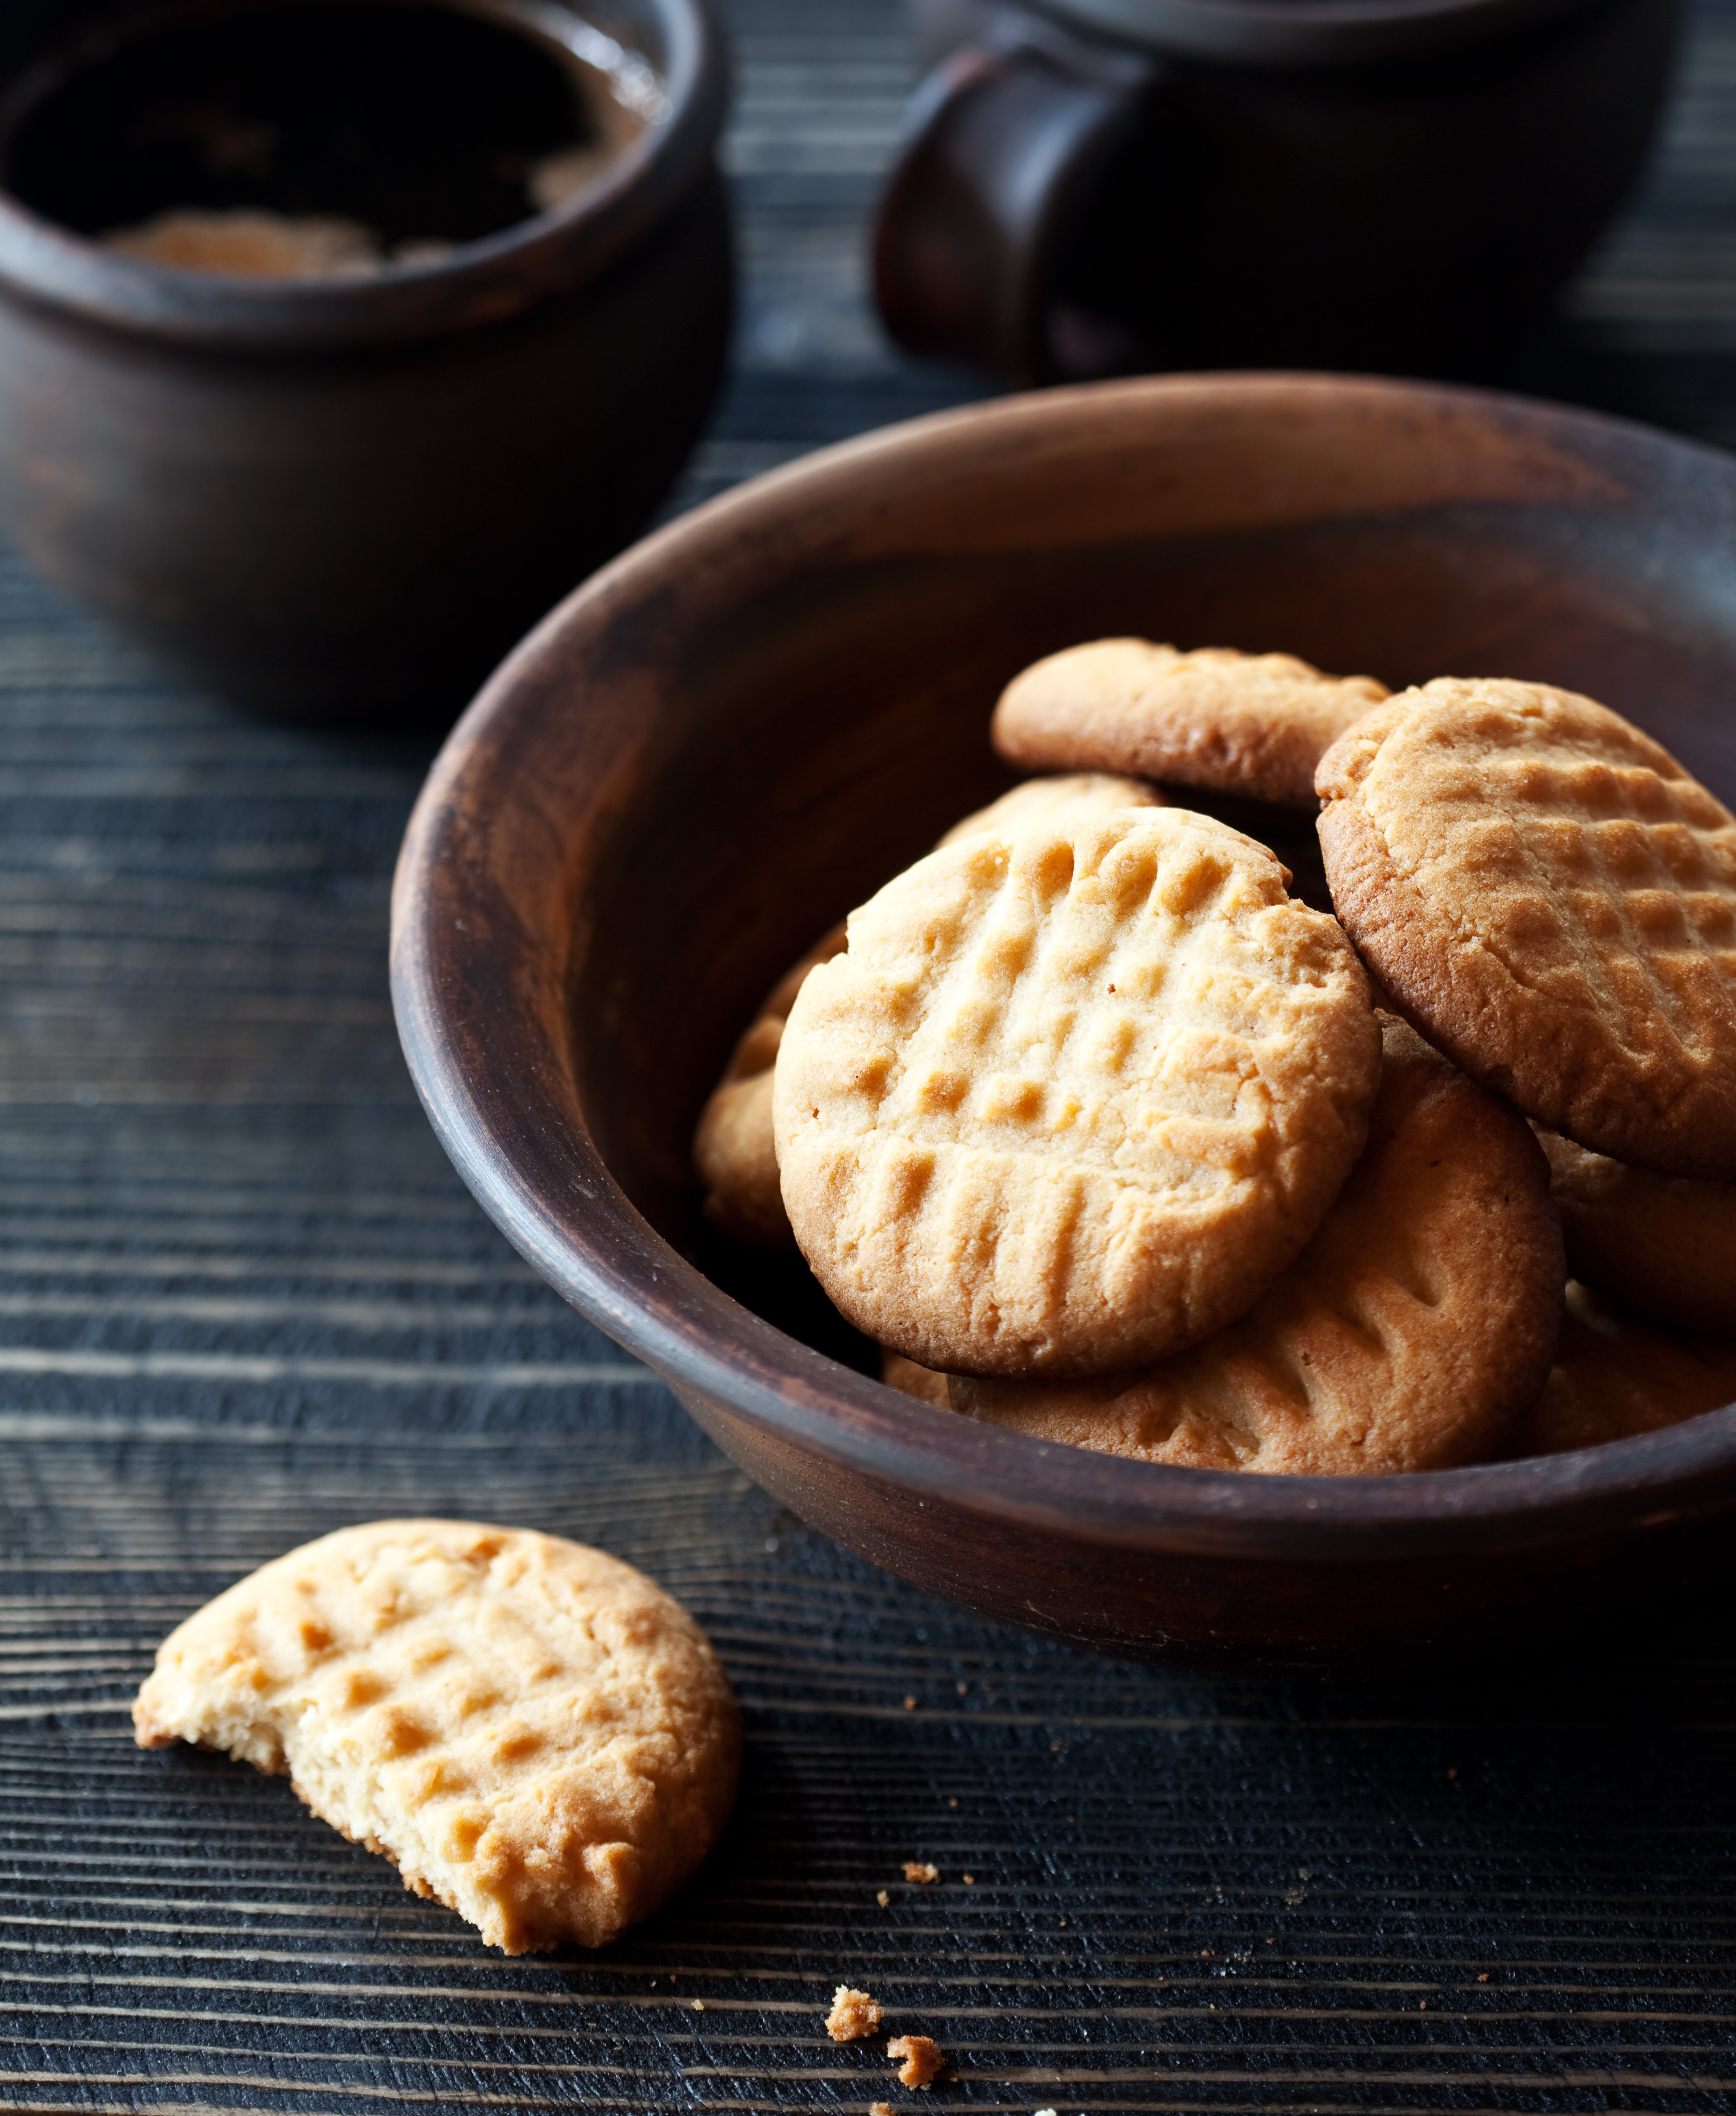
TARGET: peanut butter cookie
(1032,800)
(1662,1244)
(1075,1095)
(909,1379)
(531,1731)
(1615,1378)
(734,1156)
(1411,1332)
(1551,899)
(1254,724)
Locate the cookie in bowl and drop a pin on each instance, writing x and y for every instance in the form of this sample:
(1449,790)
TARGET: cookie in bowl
(1252,724)
(1409,1334)
(735,1156)
(1075,1095)
(1551,899)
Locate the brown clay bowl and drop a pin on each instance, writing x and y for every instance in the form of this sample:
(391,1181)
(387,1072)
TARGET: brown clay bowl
(744,725)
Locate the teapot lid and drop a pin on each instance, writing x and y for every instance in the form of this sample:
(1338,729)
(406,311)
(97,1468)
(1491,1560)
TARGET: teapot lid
(1304,33)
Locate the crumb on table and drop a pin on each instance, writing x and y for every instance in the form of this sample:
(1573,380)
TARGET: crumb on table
(923,2059)
(853,2014)
(880,2108)
(919,1870)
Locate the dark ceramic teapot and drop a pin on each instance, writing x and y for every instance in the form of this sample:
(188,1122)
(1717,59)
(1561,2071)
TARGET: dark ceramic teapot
(1094,186)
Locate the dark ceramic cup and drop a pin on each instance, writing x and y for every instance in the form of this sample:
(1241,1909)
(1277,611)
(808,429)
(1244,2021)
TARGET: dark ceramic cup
(1093,187)
(343,499)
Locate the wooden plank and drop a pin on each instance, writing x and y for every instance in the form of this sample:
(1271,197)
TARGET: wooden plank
(243,1298)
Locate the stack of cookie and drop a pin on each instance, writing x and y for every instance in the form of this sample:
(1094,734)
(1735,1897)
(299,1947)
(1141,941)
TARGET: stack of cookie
(1105,1137)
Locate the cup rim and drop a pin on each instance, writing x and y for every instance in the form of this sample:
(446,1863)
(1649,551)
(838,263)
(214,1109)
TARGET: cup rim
(485,282)
(1305,32)
(531,1162)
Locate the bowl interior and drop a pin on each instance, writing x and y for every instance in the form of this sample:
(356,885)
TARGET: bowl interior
(829,728)
(741,729)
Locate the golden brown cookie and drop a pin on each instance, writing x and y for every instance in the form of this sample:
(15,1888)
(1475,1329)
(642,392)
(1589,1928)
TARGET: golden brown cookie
(1076,1093)
(909,1379)
(1552,900)
(734,1155)
(1661,1244)
(530,1731)
(1615,1378)
(1033,800)
(1254,724)
(1410,1333)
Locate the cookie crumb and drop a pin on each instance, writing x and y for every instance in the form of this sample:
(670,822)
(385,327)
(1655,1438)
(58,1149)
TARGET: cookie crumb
(919,1870)
(970,1880)
(854,2014)
(882,1897)
(880,2108)
(923,2059)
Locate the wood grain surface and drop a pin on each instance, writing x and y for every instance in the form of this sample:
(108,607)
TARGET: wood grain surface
(243,1298)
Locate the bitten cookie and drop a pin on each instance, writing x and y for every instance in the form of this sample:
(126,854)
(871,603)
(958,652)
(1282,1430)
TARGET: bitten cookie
(1254,724)
(530,1731)
(1075,1096)
(734,1154)
(1411,1332)
(1614,1377)
(1662,1244)
(1552,900)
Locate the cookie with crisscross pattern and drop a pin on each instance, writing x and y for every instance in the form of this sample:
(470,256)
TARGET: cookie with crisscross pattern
(1410,1333)
(532,1731)
(734,1154)
(1254,725)
(1551,899)
(1075,1095)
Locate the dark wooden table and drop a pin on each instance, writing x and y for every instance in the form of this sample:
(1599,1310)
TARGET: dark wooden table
(244,1300)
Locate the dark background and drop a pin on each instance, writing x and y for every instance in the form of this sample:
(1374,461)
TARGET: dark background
(244,1300)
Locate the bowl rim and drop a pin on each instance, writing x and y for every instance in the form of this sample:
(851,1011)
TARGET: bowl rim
(483,283)
(545,1185)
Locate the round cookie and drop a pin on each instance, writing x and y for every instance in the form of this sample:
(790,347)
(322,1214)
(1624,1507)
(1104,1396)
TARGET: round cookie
(1033,800)
(734,1155)
(1662,1244)
(1614,1378)
(1410,1333)
(533,1733)
(898,1373)
(1076,1093)
(1551,900)
(1254,724)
